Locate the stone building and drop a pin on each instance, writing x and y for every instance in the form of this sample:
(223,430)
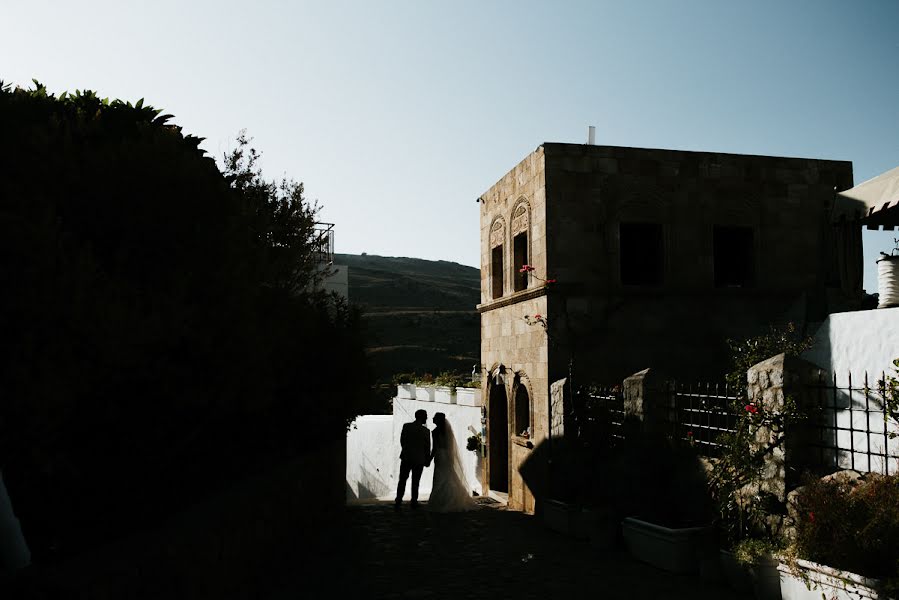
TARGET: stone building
(644,257)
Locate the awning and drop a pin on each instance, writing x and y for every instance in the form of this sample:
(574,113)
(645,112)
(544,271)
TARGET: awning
(875,203)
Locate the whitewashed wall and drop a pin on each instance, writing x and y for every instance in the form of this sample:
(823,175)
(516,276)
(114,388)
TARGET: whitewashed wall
(370,471)
(856,342)
(373,449)
(859,342)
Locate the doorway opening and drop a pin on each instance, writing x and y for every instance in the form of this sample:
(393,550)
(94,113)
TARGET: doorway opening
(498,435)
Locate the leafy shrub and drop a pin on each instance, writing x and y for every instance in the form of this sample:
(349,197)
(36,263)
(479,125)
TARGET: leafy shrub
(852,525)
(401,378)
(424,379)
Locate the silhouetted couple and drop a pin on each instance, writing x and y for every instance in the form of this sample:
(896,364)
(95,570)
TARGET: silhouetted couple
(449,492)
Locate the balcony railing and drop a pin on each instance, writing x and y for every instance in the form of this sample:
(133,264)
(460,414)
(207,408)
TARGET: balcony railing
(323,248)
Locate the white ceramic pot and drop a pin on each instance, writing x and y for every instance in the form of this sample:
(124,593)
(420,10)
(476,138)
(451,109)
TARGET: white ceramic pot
(675,550)
(888,281)
(827,581)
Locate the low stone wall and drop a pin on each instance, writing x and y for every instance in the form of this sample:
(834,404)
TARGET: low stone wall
(225,546)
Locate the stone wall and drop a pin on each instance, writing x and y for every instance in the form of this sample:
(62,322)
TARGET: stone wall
(684,321)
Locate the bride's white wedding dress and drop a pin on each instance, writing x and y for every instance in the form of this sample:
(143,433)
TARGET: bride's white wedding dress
(450,492)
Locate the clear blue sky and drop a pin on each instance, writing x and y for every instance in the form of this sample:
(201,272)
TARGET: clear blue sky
(398,114)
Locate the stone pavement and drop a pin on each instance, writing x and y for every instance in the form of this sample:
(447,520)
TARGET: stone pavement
(487,553)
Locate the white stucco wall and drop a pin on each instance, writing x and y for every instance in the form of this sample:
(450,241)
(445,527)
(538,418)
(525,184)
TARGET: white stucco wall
(338,281)
(857,342)
(370,471)
(373,449)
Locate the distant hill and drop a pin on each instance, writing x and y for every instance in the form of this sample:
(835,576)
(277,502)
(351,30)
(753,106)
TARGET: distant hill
(419,314)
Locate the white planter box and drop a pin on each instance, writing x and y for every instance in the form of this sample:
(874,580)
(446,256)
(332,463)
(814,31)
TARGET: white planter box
(424,393)
(675,550)
(405,391)
(763,577)
(826,581)
(564,518)
(444,394)
(468,396)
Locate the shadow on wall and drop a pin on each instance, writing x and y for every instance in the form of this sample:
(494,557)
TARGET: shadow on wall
(646,476)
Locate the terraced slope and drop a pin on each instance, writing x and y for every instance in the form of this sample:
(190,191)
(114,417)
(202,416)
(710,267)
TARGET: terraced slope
(420,314)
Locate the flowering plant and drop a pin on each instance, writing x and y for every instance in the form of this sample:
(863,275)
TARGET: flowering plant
(474,443)
(744,507)
(537,319)
(850,522)
(530,269)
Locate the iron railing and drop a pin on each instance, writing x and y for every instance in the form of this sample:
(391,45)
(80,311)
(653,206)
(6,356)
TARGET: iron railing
(699,414)
(853,429)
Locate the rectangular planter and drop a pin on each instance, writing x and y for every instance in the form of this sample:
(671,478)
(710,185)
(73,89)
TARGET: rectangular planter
(468,396)
(424,393)
(674,550)
(564,518)
(405,391)
(829,582)
(444,394)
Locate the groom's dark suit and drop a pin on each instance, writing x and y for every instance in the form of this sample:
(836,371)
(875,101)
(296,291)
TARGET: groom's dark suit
(415,441)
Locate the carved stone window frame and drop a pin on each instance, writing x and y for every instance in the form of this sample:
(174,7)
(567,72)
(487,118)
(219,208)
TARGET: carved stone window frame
(520,219)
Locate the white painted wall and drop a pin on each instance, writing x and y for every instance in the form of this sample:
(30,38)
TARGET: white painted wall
(859,342)
(370,468)
(338,281)
(373,449)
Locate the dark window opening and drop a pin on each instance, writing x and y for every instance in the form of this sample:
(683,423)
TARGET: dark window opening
(496,271)
(520,251)
(641,253)
(522,412)
(734,256)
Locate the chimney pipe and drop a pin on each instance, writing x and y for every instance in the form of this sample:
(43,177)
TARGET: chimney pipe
(591,135)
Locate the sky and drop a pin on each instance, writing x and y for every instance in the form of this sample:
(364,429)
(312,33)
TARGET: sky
(396,115)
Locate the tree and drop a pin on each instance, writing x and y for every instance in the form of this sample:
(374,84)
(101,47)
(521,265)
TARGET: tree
(162,330)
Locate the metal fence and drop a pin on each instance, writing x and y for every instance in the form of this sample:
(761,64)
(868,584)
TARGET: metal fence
(699,414)
(598,416)
(852,428)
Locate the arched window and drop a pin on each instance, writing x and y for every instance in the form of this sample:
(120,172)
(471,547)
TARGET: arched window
(497,236)
(522,411)
(521,251)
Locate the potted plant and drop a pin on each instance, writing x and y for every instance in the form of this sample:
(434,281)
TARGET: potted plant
(424,388)
(469,394)
(846,538)
(405,385)
(445,390)
(888,277)
(669,522)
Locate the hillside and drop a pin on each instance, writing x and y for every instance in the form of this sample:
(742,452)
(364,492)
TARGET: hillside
(419,314)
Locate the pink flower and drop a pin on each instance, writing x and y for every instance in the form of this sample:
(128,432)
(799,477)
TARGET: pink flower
(525,269)
(550,281)
(537,316)
(751,408)
(689,434)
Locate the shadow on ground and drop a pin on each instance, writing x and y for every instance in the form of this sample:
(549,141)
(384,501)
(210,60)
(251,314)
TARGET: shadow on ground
(382,553)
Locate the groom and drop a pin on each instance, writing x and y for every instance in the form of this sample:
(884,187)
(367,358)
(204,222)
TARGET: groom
(415,441)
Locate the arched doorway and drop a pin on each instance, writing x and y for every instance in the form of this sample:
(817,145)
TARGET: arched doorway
(498,434)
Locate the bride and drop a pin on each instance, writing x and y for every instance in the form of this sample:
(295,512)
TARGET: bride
(449,493)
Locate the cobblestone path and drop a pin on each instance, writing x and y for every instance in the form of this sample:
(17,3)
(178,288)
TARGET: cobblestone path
(488,553)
